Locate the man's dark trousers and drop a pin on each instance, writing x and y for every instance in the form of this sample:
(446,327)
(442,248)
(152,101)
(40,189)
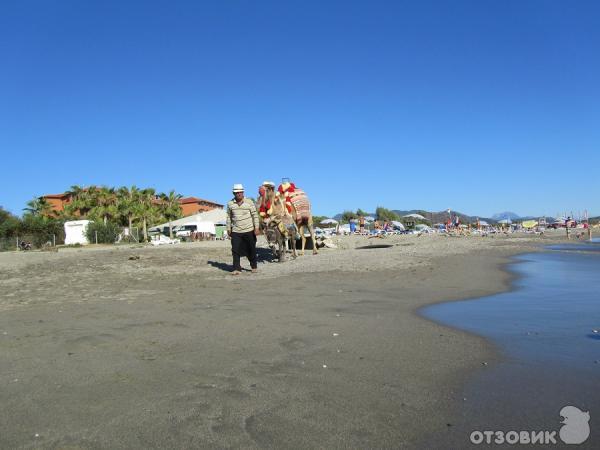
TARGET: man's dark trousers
(243,244)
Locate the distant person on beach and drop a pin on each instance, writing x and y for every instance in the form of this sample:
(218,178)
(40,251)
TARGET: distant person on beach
(352,226)
(242,227)
(361,224)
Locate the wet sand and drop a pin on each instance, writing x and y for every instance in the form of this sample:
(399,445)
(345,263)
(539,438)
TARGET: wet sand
(168,350)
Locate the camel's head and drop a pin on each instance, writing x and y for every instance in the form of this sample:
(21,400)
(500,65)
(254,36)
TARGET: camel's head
(278,207)
(267,190)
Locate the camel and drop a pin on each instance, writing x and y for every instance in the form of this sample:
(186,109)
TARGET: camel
(266,194)
(297,202)
(276,222)
(297,205)
(281,229)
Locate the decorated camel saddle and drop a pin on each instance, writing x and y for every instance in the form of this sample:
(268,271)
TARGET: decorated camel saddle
(297,199)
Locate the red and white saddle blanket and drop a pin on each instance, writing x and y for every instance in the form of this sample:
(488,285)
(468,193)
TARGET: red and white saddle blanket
(297,198)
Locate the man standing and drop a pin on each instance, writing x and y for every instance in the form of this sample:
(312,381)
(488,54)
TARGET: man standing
(242,226)
(361,224)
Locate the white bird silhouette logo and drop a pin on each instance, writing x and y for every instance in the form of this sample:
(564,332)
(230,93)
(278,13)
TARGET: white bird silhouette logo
(576,428)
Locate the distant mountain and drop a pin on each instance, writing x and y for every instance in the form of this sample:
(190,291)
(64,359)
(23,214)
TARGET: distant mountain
(506,215)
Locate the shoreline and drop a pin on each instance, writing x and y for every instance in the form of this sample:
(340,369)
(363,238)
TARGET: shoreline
(502,266)
(327,359)
(518,390)
(493,354)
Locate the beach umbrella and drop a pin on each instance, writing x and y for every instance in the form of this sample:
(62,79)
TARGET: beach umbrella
(329,222)
(397,224)
(416,216)
(370,219)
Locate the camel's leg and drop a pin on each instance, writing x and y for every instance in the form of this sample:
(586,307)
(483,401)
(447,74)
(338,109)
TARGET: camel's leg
(281,252)
(281,243)
(311,230)
(293,241)
(301,231)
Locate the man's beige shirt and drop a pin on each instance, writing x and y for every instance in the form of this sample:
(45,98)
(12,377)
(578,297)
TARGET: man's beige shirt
(241,218)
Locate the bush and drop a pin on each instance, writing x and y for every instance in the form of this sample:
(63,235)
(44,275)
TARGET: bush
(9,224)
(347,216)
(107,233)
(40,230)
(384,214)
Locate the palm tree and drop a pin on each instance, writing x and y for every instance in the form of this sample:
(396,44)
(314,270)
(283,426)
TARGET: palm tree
(82,201)
(38,206)
(105,200)
(127,199)
(170,208)
(146,209)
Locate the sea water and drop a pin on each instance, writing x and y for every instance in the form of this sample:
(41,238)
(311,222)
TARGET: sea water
(547,330)
(552,314)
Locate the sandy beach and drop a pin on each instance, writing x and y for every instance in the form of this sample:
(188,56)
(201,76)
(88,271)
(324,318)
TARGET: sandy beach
(142,347)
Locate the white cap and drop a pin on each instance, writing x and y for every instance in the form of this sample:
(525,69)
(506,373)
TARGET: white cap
(238,188)
(268,183)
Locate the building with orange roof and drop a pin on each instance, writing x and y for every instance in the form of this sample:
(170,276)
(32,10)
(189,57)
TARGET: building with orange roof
(57,201)
(194,205)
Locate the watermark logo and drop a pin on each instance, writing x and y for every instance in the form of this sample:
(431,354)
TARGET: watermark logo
(575,430)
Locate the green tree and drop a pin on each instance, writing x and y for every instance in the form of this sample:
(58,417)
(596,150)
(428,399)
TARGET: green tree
(106,233)
(42,228)
(360,212)
(348,215)
(81,203)
(105,204)
(9,224)
(127,200)
(170,208)
(145,209)
(318,219)
(384,214)
(38,206)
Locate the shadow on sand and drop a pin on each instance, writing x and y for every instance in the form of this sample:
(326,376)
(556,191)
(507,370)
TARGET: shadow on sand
(262,255)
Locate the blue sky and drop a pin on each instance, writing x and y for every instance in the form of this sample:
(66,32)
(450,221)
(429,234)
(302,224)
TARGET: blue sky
(479,106)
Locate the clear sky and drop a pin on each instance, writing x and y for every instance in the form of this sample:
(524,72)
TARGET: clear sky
(479,106)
